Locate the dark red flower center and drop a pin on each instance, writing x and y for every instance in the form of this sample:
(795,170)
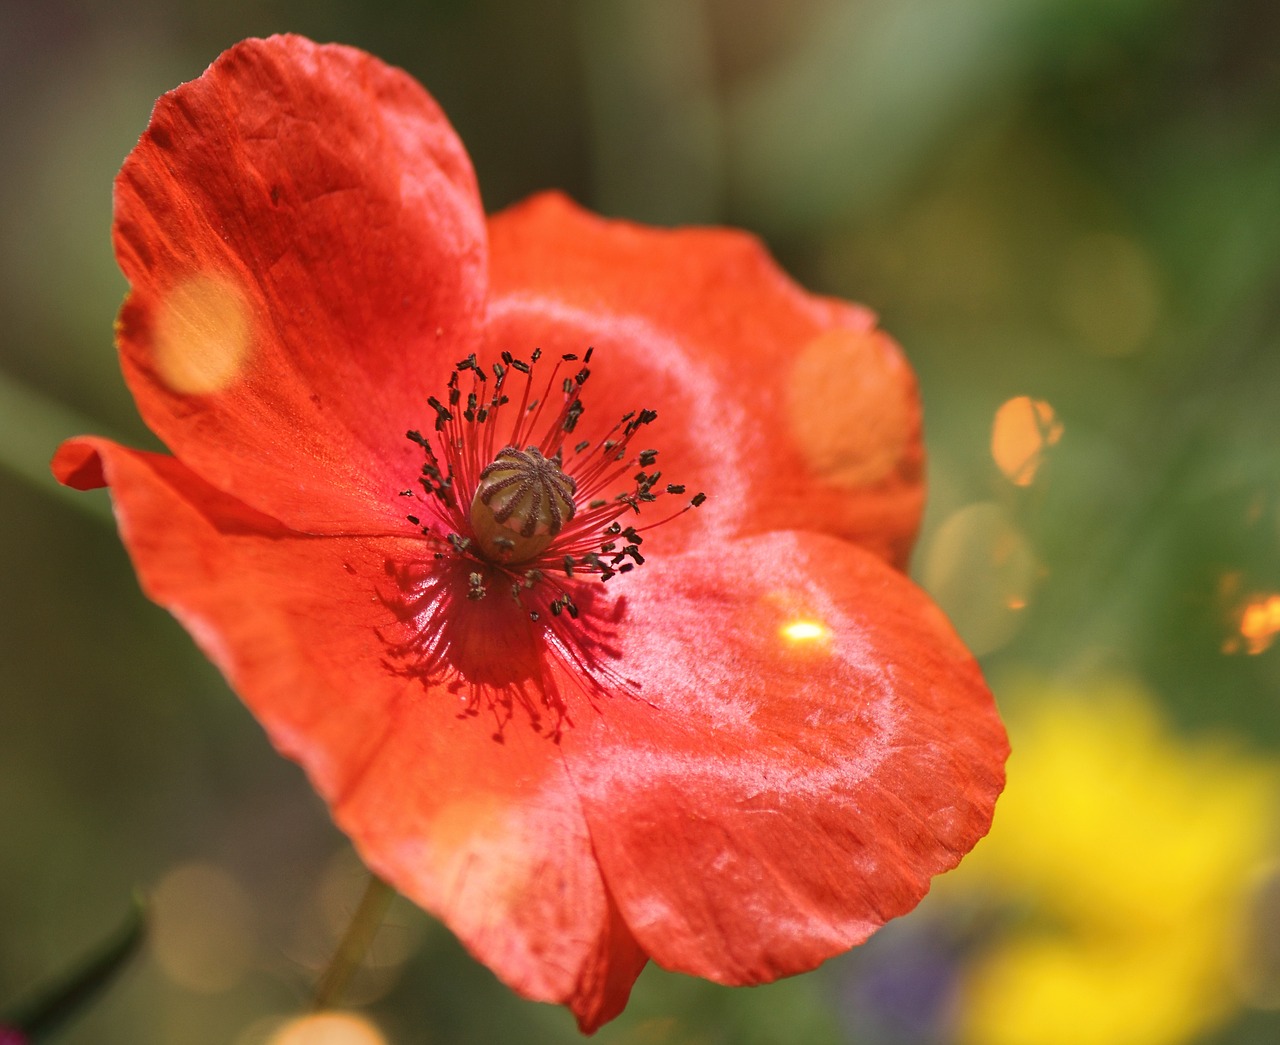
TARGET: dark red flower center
(516,512)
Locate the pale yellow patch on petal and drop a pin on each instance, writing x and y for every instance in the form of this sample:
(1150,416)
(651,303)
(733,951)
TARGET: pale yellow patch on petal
(203,334)
(849,409)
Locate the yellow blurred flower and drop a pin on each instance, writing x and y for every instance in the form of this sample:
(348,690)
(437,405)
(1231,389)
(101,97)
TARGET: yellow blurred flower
(1127,853)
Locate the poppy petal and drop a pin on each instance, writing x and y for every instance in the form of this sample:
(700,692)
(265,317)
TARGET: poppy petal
(483,829)
(305,244)
(811,743)
(830,430)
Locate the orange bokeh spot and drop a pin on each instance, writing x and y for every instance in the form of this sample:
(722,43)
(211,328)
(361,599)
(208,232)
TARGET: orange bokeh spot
(1260,622)
(1024,429)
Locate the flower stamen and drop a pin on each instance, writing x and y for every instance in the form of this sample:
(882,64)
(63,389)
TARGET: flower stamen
(507,512)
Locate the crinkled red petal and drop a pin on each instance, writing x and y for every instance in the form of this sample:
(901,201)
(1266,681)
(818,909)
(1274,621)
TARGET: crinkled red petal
(477,823)
(811,743)
(817,410)
(305,244)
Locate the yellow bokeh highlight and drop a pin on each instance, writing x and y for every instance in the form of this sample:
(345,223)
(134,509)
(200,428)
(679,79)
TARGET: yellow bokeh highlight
(328,1028)
(1023,430)
(848,408)
(202,928)
(202,334)
(1128,852)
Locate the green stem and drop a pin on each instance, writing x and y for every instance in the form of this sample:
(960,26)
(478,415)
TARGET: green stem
(31,427)
(355,942)
(46,1012)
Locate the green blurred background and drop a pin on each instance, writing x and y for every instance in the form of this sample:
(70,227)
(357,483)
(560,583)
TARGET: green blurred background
(1068,211)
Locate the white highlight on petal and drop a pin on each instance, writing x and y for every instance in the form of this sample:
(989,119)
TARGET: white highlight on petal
(805,631)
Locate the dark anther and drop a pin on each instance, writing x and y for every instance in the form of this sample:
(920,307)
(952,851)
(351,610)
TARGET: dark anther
(587,357)
(698,498)
(442,412)
(537,354)
(507,357)
(674,488)
(597,503)
(582,446)
(574,413)
(568,565)
(414,519)
(406,493)
(521,365)
(569,357)
(647,457)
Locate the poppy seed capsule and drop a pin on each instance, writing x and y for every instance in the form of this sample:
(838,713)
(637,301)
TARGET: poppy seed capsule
(522,501)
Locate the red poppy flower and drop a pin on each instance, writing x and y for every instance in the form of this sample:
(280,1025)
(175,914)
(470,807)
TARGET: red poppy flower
(740,755)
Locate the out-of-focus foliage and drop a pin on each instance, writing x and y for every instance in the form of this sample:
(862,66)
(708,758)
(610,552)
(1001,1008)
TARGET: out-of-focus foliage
(1069,213)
